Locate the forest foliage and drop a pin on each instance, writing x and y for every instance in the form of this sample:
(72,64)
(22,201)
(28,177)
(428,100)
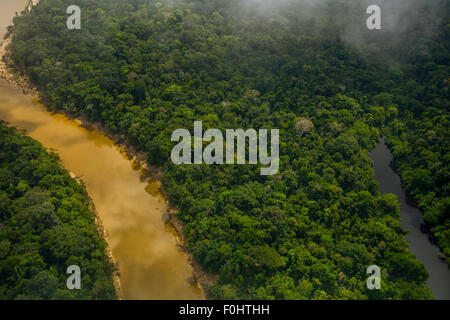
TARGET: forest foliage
(145,68)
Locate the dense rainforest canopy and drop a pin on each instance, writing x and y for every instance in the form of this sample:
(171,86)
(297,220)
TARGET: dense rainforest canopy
(145,68)
(45,227)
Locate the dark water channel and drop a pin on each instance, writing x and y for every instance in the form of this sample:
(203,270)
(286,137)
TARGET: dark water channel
(411,220)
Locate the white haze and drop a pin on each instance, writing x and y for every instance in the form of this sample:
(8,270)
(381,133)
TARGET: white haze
(397,17)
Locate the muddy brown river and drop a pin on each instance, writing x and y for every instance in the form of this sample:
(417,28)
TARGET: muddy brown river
(127,199)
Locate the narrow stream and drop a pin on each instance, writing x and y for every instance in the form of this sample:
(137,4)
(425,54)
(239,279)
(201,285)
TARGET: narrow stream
(411,219)
(127,198)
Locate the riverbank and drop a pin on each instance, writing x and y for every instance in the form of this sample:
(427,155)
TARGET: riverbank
(138,158)
(411,201)
(104,234)
(204,280)
(411,219)
(7,72)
